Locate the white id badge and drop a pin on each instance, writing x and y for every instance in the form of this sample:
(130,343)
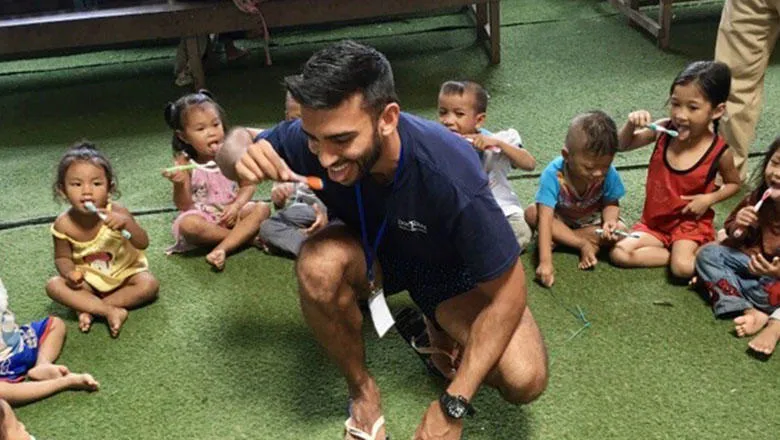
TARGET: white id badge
(380,313)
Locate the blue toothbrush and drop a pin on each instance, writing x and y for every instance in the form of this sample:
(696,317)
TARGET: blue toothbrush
(655,127)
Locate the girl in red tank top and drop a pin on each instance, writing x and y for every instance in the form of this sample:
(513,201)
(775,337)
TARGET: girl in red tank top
(680,189)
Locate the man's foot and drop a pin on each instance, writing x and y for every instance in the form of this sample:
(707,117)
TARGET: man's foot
(364,411)
(47,371)
(750,322)
(217,258)
(116,319)
(588,258)
(85,322)
(449,355)
(83,381)
(767,339)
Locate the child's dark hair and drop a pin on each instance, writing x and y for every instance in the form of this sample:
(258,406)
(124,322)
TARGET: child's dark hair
(713,79)
(759,180)
(594,132)
(481,95)
(176,114)
(83,151)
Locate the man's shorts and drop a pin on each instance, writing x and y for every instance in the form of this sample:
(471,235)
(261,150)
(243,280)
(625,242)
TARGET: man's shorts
(16,366)
(427,286)
(701,232)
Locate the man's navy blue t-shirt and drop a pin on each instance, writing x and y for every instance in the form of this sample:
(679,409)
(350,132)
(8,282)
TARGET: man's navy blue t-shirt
(441,215)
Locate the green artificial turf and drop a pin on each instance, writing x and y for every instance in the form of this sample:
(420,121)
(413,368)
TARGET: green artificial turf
(229,356)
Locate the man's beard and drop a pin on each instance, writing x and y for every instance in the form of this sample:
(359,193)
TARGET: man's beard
(368,160)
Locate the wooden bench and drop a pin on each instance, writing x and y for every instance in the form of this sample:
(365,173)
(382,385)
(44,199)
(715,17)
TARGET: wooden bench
(28,36)
(659,28)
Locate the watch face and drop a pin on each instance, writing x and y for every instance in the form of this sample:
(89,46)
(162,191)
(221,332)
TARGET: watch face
(456,409)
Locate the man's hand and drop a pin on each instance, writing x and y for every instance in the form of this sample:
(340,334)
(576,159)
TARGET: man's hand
(320,220)
(545,273)
(699,204)
(759,265)
(261,162)
(436,425)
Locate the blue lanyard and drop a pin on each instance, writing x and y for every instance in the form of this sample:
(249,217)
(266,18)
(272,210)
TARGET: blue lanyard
(370,251)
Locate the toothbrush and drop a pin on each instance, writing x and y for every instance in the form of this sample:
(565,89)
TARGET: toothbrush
(209,166)
(655,127)
(313,182)
(92,208)
(738,232)
(623,234)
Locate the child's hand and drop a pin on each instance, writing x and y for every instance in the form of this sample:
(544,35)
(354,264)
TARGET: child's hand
(75,279)
(229,215)
(320,220)
(746,217)
(480,141)
(699,204)
(639,118)
(115,220)
(758,265)
(177,176)
(545,273)
(280,192)
(609,227)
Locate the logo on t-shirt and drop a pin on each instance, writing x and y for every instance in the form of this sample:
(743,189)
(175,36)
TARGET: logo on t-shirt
(412,226)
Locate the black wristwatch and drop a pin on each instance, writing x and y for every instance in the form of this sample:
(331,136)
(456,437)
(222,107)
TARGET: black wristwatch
(455,406)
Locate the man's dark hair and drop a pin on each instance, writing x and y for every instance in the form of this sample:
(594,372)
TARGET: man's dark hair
(340,70)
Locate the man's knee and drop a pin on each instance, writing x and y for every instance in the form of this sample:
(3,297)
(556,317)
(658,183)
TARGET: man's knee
(322,267)
(526,385)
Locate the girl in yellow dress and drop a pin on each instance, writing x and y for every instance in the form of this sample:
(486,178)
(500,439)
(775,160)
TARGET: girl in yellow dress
(100,271)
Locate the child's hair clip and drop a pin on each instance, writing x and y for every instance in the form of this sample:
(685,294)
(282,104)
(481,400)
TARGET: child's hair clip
(206,92)
(170,109)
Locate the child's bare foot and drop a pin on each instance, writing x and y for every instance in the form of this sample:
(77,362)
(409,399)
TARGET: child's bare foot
(750,322)
(83,382)
(588,258)
(85,322)
(217,258)
(47,371)
(116,318)
(767,339)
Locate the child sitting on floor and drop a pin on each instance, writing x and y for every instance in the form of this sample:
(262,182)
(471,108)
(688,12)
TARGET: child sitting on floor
(463,110)
(299,213)
(101,262)
(579,192)
(214,211)
(29,351)
(681,190)
(742,275)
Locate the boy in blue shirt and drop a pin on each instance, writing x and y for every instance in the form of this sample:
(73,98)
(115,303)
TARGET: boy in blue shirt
(579,193)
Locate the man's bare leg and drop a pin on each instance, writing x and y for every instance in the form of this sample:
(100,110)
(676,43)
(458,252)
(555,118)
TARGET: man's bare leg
(521,372)
(331,273)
